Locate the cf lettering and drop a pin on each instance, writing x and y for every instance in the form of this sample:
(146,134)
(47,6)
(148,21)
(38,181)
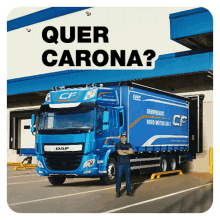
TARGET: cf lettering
(71,94)
(179,120)
(67,95)
(183,120)
(63,96)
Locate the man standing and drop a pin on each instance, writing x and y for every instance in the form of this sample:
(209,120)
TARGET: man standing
(123,150)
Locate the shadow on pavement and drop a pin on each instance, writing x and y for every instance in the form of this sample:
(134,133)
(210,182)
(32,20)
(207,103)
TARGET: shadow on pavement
(80,184)
(96,182)
(137,181)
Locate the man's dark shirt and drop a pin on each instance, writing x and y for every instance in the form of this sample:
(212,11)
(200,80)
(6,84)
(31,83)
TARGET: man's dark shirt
(123,158)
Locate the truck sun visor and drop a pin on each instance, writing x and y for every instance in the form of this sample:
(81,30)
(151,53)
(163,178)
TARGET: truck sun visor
(78,106)
(64,105)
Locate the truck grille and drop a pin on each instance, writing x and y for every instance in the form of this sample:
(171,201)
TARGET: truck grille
(63,161)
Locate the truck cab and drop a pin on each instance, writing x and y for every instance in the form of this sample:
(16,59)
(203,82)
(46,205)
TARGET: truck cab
(77,131)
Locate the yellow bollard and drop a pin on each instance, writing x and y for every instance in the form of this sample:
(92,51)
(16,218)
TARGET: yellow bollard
(163,173)
(21,165)
(211,160)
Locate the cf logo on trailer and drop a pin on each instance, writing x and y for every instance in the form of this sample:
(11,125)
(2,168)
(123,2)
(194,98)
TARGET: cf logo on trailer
(67,95)
(178,120)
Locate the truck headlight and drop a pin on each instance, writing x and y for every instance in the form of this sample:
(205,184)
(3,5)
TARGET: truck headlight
(39,164)
(48,98)
(90,94)
(89,163)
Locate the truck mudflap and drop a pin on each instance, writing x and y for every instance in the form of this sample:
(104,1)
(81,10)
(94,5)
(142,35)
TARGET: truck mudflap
(183,159)
(189,156)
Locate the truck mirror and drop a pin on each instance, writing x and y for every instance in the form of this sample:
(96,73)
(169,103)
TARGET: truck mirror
(33,129)
(33,119)
(105,117)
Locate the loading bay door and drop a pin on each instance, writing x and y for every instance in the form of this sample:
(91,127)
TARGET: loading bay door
(21,138)
(196,125)
(27,139)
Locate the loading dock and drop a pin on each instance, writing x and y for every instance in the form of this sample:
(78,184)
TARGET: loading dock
(186,73)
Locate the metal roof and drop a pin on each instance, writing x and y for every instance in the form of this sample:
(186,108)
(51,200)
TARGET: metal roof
(192,28)
(41,16)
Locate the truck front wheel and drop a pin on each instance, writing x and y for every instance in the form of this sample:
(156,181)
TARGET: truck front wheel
(110,178)
(56,180)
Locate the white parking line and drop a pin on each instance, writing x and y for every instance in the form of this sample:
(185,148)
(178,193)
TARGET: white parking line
(151,200)
(21,175)
(80,193)
(26,182)
(20,171)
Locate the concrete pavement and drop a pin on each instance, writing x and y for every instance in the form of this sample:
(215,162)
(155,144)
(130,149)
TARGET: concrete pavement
(29,193)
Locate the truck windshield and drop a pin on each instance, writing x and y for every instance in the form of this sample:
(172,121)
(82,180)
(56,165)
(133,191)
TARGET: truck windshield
(64,121)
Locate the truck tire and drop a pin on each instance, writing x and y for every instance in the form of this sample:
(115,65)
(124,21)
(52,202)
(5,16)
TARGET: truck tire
(111,176)
(163,163)
(172,164)
(56,180)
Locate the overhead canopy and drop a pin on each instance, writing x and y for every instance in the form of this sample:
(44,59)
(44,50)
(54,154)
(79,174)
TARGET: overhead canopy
(41,16)
(192,28)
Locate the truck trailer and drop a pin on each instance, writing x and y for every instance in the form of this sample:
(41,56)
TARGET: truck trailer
(77,129)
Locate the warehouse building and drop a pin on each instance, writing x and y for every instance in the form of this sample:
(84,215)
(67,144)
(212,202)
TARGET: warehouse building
(188,73)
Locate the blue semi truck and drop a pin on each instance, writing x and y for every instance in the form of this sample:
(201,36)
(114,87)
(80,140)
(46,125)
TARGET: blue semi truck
(77,128)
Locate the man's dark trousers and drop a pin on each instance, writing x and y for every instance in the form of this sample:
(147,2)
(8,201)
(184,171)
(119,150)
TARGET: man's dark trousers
(123,167)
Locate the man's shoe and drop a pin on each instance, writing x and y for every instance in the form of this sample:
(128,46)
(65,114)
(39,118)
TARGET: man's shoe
(118,195)
(130,194)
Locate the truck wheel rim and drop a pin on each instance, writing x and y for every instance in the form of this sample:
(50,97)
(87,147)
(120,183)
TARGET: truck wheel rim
(164,165)
(173,164)
(111,171)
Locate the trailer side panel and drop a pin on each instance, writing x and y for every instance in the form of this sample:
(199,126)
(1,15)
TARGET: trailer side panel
(157,122)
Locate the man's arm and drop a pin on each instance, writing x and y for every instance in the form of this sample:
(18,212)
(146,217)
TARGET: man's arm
(119,151)
(122,152)
(129,151)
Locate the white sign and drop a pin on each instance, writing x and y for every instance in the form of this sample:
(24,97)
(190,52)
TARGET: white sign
(63,148)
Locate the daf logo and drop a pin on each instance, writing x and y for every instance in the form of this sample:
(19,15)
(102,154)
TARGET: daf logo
(137,97)
(182,120)
(62,148)
(67,95)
